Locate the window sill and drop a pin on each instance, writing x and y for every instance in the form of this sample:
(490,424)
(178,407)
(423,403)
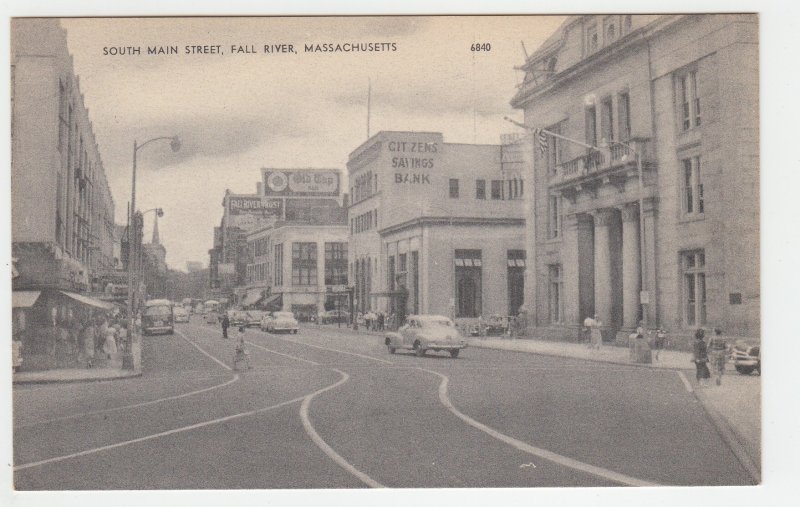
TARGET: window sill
(697,217)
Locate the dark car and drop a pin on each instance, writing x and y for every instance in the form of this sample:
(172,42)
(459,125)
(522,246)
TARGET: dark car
(746,357)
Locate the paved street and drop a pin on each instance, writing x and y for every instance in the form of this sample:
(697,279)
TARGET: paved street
(328,409)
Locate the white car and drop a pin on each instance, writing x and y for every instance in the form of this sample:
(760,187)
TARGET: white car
(180,314)
(282,321)
(422,333)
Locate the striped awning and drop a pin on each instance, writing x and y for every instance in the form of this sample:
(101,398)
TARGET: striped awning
(88,300)
(24,298)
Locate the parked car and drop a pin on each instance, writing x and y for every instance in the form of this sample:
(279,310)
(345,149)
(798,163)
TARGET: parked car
(422,333)
(180,314)
(496,325)
(237,318)
(212,318)
(157,317)
(746,357)
(282,321)
(253,318)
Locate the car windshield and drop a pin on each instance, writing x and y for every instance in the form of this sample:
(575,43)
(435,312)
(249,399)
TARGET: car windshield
(434,321)
(160,311)
(283,315)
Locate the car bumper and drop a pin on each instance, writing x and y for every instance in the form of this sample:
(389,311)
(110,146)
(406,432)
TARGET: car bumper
(445,346)
(157,329)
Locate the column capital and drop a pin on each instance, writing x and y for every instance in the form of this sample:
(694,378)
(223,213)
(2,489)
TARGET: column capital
(603,216)
(630,212)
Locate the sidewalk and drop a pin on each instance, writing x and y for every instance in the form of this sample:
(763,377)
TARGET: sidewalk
(734,407)
(85,374)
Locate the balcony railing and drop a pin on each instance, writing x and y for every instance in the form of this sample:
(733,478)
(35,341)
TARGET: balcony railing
(601,161)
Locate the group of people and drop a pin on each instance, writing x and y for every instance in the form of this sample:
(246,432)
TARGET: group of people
(75,340)
(377,321)
(714,353)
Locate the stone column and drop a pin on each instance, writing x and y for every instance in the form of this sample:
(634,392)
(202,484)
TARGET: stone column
(603,289)
(571,271)
(631,265)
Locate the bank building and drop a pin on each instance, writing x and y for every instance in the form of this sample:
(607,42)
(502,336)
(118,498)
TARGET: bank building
(661,221)
(437,227)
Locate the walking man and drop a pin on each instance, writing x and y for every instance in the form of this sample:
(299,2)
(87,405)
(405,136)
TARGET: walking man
(225,324)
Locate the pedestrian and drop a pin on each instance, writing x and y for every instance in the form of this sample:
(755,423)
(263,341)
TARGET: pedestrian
(225,324)
(700,358)
(241,354)
(588,325)
(658,342)
(381,320)
(718,352)
(110,342)
(596,334)
(88,340)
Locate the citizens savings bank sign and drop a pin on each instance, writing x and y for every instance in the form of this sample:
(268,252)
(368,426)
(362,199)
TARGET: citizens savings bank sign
(301,182)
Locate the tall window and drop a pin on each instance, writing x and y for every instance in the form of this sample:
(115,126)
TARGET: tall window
(591,126)
(688,99)
(304,263)
(607,120)
(453,188)
(497,189)
(335,263)
(693,203)
(610,29)
(278,275)
(555,292)
(402,270)
(391,272)
(468,283)
(592,39)
(694,287)
(480,189)
(554,217)
(516,280)
(555,148)
(624,116)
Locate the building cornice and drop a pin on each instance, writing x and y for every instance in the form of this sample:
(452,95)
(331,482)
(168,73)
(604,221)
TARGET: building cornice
(423,221)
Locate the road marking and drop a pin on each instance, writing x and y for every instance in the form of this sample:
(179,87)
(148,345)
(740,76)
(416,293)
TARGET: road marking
(282,354)
(337,350)
(155,435)
(339,460)
(522,446)
(686,382)
(193,344)
(126,407)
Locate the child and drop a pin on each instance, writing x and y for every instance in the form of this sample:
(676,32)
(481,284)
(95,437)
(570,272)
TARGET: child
(241,353)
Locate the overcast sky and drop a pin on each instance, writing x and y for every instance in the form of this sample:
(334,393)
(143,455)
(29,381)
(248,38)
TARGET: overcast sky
(237,113)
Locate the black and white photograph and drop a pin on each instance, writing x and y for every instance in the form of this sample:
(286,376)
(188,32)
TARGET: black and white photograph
(430,252)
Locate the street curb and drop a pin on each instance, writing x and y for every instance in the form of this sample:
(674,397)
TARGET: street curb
(731,437)
(551,354)
(76,380)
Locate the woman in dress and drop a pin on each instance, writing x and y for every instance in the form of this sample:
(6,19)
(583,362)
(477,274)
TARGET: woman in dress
(700,358)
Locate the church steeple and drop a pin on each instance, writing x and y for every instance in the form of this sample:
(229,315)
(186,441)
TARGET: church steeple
(156,239)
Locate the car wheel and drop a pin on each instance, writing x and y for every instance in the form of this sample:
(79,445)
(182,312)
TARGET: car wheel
(418,350)
(454,353)
(745,370)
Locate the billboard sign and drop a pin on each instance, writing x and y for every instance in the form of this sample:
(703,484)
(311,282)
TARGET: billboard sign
(252,211)
(301,182)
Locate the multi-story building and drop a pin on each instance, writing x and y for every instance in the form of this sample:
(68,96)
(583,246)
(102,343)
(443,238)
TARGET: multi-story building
(63,231)
(674,239)
(436,227)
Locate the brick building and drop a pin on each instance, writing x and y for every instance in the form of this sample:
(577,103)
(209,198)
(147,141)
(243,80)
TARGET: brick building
(680,95)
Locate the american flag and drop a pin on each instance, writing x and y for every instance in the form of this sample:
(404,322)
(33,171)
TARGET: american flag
(542,136)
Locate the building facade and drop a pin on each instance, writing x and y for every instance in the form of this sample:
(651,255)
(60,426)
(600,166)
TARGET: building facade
(299,264)
(660,222)
(437,227)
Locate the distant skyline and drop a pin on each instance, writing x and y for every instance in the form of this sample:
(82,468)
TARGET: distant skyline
(237,113)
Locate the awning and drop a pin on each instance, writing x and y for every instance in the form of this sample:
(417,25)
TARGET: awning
(24,298)
(274,302)
(88,301)
(253,297)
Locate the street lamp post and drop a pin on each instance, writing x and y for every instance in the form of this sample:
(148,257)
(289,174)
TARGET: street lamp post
(175,144)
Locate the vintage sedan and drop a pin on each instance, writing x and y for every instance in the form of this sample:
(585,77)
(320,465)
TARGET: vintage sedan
(746,357)
(422,333)
(253,318)
(282,321)
(180,314)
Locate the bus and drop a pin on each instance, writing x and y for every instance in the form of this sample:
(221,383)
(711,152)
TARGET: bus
(157,317)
